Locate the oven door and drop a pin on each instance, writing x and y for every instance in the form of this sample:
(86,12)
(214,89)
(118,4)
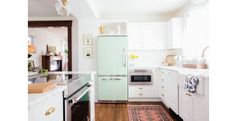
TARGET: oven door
(140,79)
(77,106)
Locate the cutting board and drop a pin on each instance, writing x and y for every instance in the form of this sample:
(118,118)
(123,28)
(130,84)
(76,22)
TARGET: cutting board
(171,60)
(41,87)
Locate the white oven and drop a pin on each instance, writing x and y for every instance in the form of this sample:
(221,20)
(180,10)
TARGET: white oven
(140,77)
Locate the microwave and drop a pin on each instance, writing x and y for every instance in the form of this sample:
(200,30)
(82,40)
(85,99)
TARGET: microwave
(140,77)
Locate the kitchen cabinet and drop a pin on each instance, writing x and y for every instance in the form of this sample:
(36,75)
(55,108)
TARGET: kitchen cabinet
(175,32)
(156,84)
(193,107)
(147,35)
(92,101)
(49,109)
(185,104)
(112,88)
(137,91)
(169,89)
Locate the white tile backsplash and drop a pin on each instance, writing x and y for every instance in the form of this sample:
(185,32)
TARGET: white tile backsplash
(151,58)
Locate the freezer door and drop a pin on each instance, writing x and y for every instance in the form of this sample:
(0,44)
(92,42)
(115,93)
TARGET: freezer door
(112,55)
(112,88)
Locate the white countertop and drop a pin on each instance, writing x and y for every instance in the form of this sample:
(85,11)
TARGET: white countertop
(204,72)
(35,98)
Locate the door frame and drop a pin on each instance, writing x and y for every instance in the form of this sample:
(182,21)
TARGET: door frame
(59,23)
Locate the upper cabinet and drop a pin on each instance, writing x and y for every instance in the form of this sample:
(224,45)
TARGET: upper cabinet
(151,35)
(156,35)
(175,33)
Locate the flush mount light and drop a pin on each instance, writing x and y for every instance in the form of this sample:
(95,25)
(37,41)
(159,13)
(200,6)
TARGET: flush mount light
(63,7)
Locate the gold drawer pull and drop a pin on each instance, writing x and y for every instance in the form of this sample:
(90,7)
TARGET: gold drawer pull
(140,88)
(188,94)
(50,111)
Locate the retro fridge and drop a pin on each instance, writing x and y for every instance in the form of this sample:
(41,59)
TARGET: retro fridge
(112,68)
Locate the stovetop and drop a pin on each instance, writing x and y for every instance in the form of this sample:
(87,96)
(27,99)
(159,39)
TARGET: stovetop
(60,79)
(71,82)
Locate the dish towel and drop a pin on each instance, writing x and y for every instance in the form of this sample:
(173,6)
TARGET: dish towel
(192,81)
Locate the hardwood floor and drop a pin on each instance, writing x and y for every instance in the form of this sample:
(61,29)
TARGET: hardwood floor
(111,112)
(119,112)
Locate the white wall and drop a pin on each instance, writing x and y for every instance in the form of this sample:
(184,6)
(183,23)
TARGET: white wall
(87,26)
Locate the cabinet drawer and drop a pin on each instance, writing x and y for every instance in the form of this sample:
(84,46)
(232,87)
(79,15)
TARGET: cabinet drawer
(141,91)
(51,109)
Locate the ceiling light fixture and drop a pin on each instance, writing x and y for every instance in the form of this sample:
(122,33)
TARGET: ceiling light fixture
(63,7)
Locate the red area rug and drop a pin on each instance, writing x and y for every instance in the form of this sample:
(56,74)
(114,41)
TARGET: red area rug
(148,113)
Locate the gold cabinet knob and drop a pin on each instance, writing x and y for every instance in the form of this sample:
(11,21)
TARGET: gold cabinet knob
(50,111)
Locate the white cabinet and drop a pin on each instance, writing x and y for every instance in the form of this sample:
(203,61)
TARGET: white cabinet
(49,109)
(147,35)
(137,91)
(175,32)
(169,89)
(193,107)
(156,84)
(185,104)
(92,101)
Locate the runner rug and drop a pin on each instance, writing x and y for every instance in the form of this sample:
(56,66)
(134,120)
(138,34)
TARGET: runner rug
(148,113)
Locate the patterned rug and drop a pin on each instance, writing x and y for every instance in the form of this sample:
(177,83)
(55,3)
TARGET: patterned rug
(148,113)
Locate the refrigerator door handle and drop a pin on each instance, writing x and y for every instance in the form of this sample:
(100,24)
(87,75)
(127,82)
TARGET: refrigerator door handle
(117,78)
(124,57)
(104,79)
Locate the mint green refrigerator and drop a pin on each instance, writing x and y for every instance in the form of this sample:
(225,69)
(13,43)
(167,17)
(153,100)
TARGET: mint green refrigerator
(112,68)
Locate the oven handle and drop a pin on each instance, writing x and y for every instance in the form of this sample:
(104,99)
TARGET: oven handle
(73,99)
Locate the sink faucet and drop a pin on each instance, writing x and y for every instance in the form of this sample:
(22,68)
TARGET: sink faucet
(203,52)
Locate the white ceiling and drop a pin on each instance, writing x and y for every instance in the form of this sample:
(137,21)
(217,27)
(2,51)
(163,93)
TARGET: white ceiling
(41,8)
(129,8)
(114,9)
(46,8)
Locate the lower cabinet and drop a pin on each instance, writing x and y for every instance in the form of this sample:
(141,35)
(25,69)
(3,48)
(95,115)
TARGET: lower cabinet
(185,104)
(136,91)
(169,89)
(193,107)
(49,110)
(112,88)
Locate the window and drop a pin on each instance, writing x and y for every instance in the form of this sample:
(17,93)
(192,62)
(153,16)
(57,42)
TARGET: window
(196,30)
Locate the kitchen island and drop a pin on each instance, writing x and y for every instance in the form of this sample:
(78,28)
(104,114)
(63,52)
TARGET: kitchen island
(56,104)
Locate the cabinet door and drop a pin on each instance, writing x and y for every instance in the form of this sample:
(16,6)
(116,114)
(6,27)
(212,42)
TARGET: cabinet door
(175,34)
(201,105)
(172,90)
(92,102)
(51,109)
(156,79)
(112,88)
(162,86)
(185,105)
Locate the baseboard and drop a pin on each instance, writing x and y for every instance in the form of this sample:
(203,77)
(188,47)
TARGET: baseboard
(111,101)
(141,99)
